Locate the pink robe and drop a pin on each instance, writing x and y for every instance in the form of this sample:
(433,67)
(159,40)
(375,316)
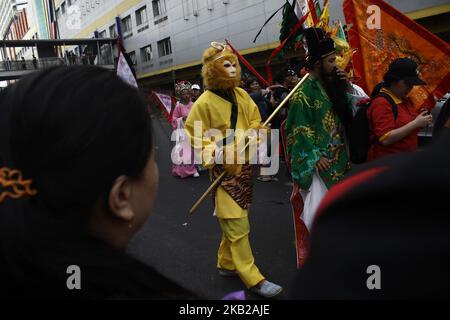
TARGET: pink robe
(183,150)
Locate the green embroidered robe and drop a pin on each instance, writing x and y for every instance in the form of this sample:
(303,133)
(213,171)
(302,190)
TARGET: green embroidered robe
(313,130)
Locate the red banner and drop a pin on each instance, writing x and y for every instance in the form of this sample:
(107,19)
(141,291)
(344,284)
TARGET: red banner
(165,103)
(397,37)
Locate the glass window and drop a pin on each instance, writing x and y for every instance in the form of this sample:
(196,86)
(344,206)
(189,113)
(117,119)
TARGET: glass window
(126,24)
(164,47)
(112,31)
(141,16)
(146,53)
(159,7)
(132,56)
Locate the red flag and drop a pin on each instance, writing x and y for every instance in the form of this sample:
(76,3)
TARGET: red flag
(165,103)
(397,37)
(300,230)
(312,10)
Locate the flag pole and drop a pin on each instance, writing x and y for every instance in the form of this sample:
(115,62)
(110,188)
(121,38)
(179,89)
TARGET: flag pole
(222,175)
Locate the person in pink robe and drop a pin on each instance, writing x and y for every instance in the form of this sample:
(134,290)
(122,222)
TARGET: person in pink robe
(182,155)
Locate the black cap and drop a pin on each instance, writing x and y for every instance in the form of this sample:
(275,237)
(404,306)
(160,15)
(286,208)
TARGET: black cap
(405,69)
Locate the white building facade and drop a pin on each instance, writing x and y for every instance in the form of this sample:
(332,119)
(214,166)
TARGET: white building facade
(162,35)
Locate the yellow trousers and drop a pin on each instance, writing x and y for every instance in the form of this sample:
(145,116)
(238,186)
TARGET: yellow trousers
(235,252)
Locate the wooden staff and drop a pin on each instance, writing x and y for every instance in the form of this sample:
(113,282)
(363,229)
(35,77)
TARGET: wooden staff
(222,175)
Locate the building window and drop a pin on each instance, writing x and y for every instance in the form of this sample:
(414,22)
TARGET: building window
(146,53)
(102,34)
(195,8)
(63,8)
(126,24)
(141,16)
(132,56)
(210,4)
(164,47)
(69,3)
(185,6)
(112,31)
(159,7)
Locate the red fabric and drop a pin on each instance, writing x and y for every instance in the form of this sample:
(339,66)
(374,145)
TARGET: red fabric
(341,188)
(312,9)
(168,116)
(381,121)
(398,37)
(300,231)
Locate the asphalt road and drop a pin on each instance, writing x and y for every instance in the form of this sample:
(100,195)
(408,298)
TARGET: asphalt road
(187,253)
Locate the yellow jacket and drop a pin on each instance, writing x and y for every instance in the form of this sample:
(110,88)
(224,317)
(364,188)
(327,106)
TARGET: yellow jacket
(214,112)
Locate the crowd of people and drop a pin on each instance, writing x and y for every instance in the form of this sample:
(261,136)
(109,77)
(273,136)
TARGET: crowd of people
(20,64)
(78,178)
(69,59)
(321,128)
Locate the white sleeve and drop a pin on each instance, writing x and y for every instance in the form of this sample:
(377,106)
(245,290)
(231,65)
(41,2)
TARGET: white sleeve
(356,94)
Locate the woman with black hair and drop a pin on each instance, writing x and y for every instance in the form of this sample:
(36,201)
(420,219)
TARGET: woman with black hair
(77,180)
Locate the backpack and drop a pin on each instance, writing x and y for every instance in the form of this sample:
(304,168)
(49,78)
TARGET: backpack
(359,138)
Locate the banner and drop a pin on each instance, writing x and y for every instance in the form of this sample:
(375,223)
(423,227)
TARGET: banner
(124,71)
(385,34)
(165,102)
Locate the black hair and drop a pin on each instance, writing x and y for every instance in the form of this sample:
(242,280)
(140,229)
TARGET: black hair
(249,81)
(72,131)
(336,90)
(281,76)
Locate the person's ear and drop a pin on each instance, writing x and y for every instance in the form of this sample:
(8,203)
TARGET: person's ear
(119,199)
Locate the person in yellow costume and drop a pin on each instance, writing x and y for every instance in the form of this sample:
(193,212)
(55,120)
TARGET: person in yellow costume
(226,106)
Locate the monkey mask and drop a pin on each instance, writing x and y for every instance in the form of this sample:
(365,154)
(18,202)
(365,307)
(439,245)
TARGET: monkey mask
(221,69)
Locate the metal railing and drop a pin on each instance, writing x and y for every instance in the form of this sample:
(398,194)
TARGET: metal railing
(42,63)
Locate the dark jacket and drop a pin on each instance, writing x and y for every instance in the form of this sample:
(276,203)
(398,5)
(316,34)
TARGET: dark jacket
(395,217)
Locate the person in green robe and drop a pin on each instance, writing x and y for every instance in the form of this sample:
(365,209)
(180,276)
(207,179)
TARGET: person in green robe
(319,116)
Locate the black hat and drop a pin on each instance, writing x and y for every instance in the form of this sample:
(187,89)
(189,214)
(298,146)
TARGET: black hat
(405,69)
(318,44)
